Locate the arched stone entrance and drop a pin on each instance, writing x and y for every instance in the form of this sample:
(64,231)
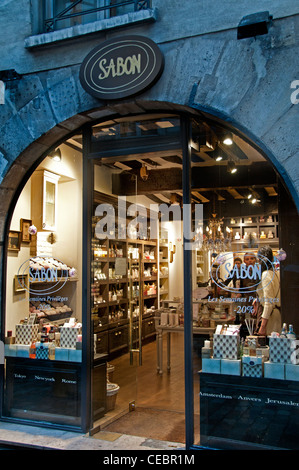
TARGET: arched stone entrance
(52,141)
(28,158)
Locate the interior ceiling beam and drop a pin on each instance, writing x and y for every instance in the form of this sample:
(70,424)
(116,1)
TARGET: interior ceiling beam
(235,193)
(200,196)
(162,157)
(271,191)
(205,178)
(234,151)
(132,146)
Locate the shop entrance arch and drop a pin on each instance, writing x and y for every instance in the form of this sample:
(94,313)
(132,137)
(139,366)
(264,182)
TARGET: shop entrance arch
(170,158)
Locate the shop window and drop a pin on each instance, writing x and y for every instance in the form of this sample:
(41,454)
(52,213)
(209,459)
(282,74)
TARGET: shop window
(43,321)
(237,190)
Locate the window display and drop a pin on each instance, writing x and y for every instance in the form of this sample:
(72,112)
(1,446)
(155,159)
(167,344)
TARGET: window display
(43,331)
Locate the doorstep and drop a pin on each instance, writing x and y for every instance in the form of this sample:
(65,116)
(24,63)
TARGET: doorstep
(39,438)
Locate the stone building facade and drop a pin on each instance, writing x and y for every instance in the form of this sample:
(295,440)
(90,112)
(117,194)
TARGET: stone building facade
(251,84)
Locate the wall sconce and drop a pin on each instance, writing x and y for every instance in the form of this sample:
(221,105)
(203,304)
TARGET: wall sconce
(56,155)
(254,25)
(172,250)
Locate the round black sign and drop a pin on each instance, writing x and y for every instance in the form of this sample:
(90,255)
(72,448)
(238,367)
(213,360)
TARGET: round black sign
(121,67)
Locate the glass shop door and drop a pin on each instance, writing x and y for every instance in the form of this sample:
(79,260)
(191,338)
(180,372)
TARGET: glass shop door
(130,264)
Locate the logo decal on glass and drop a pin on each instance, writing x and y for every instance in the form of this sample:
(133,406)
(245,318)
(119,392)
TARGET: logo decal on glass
(44,279)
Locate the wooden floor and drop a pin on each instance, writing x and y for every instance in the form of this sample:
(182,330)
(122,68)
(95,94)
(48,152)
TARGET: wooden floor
(144,387)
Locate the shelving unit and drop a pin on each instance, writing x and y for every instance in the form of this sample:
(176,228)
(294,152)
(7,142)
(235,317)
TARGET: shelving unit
(264,229)
(163,266)
(124,283)
(199,262)
(150,274)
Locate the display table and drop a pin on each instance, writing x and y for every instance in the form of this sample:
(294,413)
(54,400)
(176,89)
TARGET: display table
(248,413)
(160,329)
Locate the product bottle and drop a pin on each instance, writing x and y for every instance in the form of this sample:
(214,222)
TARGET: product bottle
(283,333)
(52,351)
(51,334)
(32,351)
(290,333)
(45,335)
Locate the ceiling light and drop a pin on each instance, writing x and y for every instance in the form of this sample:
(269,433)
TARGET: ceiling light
(228,139)
(218,154)
(253,201)
(56,155)
(231,167)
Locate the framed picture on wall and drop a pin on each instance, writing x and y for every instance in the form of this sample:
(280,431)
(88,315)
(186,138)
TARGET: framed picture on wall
(14,240)
(20,282)
(25,235)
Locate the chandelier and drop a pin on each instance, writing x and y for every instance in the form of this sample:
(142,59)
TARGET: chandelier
(217,238)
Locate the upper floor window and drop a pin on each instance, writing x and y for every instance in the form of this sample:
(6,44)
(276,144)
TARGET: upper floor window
(59,14)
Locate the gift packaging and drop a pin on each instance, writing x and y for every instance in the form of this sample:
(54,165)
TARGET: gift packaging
(68,336)
(226,346)
(26,334)
(22,350)
(274,370)
(212,366)
(252,366)
(231,367)
(281,350)
(291,372)
(42,351)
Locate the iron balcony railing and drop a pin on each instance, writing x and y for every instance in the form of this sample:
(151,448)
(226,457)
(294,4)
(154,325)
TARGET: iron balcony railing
(75,10)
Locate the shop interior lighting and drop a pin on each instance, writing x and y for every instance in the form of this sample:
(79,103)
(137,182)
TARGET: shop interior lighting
(253,197)
(218,154)
(228,139)
(56,155)
(231,167)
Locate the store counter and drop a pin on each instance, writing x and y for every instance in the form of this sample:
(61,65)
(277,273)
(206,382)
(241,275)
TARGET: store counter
(239,412)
